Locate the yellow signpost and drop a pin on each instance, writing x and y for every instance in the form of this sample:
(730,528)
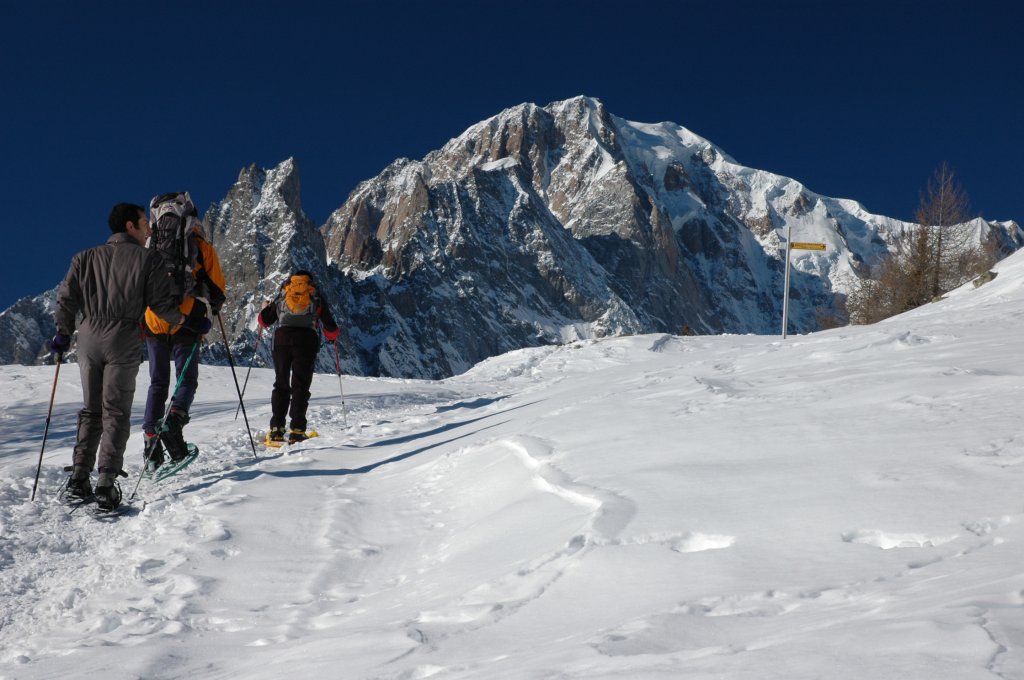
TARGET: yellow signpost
(807,246)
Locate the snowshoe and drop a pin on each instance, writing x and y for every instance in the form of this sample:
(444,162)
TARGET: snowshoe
(296,435)
(110,515)
(274,436)
(173,467)
(124,508)
(276,440)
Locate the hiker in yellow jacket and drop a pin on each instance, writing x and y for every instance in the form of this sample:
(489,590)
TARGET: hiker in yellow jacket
(198,281)
(299,312)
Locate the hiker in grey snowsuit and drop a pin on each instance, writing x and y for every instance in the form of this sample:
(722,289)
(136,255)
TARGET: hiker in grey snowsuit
(110,286)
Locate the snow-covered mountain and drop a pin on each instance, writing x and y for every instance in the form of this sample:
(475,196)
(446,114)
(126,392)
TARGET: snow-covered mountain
(544,225)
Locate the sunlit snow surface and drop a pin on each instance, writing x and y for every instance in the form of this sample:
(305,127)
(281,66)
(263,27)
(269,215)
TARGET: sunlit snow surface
(848,504)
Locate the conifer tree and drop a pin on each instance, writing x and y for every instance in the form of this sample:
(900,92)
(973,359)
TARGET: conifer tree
(936,257)
(944,212)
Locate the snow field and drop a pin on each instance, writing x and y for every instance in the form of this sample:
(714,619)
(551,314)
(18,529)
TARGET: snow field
(843,505)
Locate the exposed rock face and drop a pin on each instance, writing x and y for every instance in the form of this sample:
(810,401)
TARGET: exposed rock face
(262,236)
(25,327)
(539,225)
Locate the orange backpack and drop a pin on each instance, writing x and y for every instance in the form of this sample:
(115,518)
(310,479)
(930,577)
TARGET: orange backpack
(300,303)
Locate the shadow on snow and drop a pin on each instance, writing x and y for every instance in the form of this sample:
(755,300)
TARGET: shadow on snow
(248,475)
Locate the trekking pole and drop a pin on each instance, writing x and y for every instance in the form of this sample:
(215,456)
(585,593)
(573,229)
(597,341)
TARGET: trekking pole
(337,366)
(46,430)
(255,351)
(150,447)
(238,389)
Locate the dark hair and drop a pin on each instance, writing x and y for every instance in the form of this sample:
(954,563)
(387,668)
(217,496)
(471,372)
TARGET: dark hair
(123,213)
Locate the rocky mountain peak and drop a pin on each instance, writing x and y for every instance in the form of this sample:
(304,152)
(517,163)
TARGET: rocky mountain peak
(262,235)
(539,225)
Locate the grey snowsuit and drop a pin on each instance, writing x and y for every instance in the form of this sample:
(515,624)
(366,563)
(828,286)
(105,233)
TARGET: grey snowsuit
(110,286)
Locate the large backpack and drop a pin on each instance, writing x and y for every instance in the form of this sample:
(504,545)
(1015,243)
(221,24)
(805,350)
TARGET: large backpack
(173,219)
(300,303)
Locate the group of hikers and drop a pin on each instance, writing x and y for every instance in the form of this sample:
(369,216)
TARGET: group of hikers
(156,281)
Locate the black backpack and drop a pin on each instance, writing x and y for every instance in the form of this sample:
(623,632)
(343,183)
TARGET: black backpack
(173,219)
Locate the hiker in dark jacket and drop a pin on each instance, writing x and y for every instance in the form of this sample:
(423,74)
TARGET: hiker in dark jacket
(110,286)
(299,312)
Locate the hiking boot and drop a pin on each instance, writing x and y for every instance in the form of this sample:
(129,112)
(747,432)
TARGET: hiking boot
(296,436)
(153,464)
(79,488)
(172,438)
(108,493)
(153,452)
(276,434)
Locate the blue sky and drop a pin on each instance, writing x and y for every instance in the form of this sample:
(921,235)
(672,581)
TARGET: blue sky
(114,101)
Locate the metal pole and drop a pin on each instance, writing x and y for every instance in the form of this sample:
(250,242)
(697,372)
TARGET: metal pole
(231,362)
(785,285)
(46,430)
(337,365)
(259,335)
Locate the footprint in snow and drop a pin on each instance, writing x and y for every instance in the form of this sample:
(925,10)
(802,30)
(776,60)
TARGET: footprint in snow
(690,542)
(682,630)
(888,540)
(698,542)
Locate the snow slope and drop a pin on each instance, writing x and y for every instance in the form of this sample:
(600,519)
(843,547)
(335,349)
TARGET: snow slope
(839,505)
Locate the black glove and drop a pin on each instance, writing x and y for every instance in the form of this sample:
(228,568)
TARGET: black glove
(59,343)
(200,326)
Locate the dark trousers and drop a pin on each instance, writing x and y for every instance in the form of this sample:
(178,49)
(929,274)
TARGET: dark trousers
(108,361)
(161,350)
(295,352)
